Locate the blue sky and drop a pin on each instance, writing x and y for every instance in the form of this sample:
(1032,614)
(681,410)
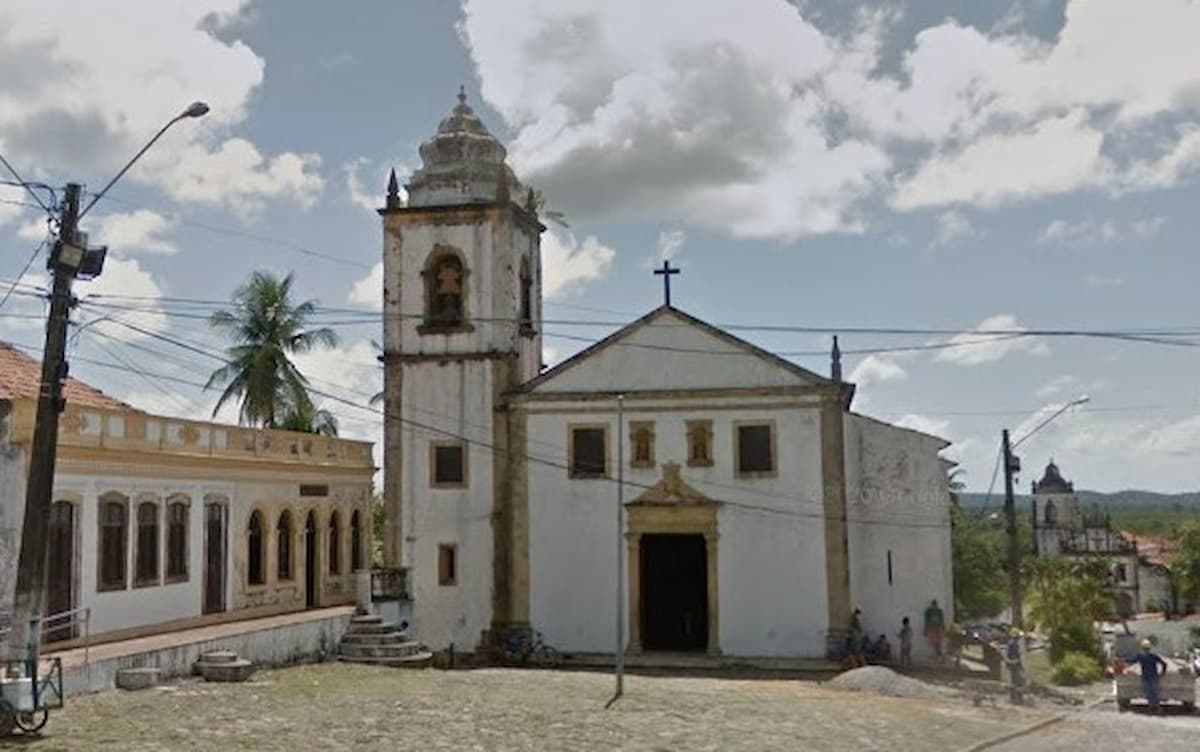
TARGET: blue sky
(931,165)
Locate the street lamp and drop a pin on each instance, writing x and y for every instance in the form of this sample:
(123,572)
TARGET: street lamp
(194,110)
(70,258)
(1012,465)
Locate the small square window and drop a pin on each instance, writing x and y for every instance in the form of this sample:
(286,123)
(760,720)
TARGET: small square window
(755,449)
(449,462)
(588,452)
(447,564)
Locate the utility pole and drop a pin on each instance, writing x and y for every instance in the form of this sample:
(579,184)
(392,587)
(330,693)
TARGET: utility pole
(1012,465)
(29,598)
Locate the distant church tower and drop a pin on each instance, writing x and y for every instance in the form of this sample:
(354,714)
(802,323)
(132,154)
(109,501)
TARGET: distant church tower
(462,305)
(1056,514)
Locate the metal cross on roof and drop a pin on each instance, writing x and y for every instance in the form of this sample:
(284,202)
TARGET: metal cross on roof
(666,271)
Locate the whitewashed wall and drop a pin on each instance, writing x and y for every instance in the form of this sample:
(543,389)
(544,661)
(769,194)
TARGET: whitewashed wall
(771,578)
(898,502)
(454,397)
(12,512)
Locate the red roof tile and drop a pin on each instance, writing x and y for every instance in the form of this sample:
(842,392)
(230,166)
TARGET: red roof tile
(1153,550)
(21,374)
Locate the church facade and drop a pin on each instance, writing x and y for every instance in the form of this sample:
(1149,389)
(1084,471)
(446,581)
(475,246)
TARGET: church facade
(752,509)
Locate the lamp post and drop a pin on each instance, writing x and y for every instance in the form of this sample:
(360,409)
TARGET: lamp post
(1012,465)
(70,258)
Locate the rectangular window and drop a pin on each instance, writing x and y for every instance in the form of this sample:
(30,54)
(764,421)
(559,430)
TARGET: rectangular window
(448,464)
(314,489)
(146,568)
(588,452)
(889,557)
(177,548)
(113,541)
(755,449)
(699,443)
(447,564)
(641,440)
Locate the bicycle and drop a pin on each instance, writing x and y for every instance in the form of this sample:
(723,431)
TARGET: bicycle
(520,649)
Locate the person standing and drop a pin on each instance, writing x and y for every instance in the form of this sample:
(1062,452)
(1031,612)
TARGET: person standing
(935,626)
(1016,671)
(1152,666)
(905,636)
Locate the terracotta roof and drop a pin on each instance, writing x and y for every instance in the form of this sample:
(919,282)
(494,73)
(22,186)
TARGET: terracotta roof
(21,374)
(1153,550)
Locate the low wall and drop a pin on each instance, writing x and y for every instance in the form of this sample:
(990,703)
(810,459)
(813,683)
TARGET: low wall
(284,645)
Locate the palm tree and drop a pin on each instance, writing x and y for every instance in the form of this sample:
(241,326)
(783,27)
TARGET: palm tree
(308,418)
(267,328)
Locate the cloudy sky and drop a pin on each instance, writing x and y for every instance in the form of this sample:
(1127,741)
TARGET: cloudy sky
(929,165)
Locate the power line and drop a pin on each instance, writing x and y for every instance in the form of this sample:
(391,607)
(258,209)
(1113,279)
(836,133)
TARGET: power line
(21,182)
(36,250)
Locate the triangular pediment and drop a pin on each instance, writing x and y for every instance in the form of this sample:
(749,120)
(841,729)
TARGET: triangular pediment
(670,350)
(671,490)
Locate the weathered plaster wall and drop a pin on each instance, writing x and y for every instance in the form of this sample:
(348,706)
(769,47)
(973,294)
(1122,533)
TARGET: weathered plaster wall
(897,503)
(12,510)
(771,589)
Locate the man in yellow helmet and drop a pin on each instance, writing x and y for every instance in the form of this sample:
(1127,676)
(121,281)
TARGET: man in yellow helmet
(1152,666)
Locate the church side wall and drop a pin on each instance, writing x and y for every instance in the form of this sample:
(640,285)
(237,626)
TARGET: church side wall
(12,511)
(898,505)
(771,553)
(455,398)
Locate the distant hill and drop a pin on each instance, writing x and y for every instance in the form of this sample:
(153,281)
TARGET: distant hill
(1131,498)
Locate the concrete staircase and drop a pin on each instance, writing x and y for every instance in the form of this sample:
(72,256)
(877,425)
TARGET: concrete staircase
(369,639)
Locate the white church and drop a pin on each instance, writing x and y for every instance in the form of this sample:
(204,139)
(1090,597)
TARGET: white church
(759,509)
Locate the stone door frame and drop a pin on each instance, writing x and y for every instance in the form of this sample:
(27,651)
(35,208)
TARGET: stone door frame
(647,518)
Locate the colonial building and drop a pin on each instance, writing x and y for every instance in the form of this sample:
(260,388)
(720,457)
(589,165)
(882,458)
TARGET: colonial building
(759,510)
(160,523)
(1061,527)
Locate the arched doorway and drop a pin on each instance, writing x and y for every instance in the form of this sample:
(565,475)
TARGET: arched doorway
(60,569)
(216,516)
(310,560)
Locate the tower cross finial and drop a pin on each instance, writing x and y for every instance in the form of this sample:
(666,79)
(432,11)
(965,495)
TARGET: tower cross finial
(462,94)
(666,271)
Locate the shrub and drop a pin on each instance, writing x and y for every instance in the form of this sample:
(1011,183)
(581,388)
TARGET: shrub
(1074,638)
(1076,668)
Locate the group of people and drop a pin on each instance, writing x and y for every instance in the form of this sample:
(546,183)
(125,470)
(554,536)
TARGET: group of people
(860,649)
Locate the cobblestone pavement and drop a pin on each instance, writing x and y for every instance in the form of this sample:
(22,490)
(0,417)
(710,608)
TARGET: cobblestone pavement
(342,707)
(1107,731)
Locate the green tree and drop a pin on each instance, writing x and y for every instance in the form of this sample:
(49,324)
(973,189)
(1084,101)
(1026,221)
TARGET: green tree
(980,588)
(1064,598)
(267,328)
(378,528)
(1185,563)
(308,418)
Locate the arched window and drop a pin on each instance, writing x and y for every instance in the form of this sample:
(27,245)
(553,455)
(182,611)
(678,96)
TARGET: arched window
(177,538)
(526,279)
(114,520)
(444,291)
(256,573)
(283,545)
(335,543)
(146,568)
(356,561)
(1051,513)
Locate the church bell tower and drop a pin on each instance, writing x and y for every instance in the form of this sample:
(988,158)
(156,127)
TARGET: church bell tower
(461,327)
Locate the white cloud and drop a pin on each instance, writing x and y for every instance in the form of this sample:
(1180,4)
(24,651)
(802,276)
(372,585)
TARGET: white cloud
(368,291)
(568,264)
(142,230)
(752,119)
(1056,386)
(953,226)
(84,89)
(875,369)
(125,276)
(995,338)
(924,424)
(1092,232)
(1096,280)
(670,243)
(549,355)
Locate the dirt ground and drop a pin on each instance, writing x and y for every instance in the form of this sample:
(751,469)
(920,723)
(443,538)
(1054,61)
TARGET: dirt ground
(341,707)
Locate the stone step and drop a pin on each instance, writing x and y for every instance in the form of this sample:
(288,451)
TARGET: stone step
(366,619)
(393,650)
(371,628)
(218,656)
(137,678)
(233,671)
(374,638)
(423,659)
